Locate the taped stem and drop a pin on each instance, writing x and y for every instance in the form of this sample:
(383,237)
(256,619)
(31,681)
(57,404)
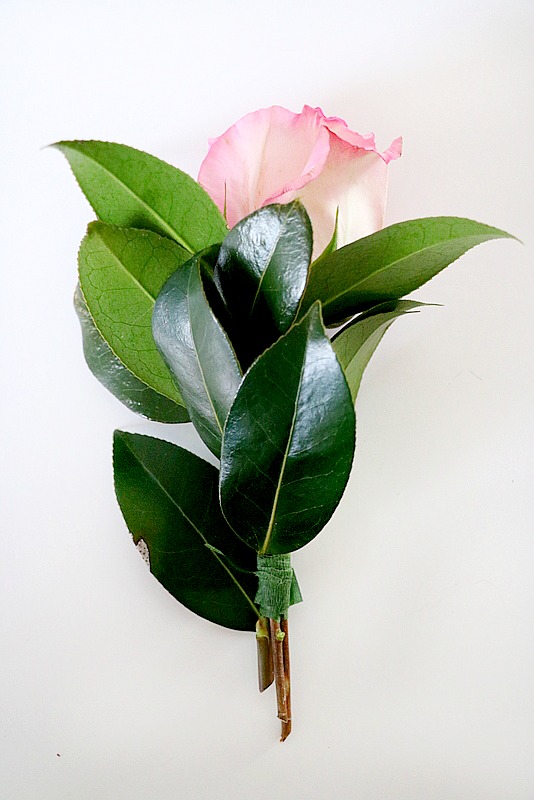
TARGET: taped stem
(277,590)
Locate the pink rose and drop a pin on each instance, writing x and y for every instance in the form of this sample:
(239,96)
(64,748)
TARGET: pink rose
(274,156)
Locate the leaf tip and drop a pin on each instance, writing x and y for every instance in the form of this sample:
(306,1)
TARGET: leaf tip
(61,145)
(118,435)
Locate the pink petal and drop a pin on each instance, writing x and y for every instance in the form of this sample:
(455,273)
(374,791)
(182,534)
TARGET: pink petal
(266,157)
(354,179)
(394,150)
(340,128)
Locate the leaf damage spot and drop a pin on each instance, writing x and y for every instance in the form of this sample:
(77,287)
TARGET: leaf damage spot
(142,548)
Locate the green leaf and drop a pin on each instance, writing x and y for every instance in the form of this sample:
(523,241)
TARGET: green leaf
(390,264)
(168,497)
(132,189)
(197,351)
(356,343)
(288,442)
(111,372)
(121,273)
(331,247)
(261,273)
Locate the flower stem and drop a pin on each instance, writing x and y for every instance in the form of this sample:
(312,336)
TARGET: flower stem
(281,676)
(265,654)
(286,727)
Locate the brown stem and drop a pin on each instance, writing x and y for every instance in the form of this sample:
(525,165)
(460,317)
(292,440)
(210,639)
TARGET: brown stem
(265,654)
(277,643)
(286,726)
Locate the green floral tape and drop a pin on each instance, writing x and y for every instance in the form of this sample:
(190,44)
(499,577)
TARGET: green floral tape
(278,587)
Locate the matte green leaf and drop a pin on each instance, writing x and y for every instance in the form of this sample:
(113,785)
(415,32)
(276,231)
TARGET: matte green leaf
(197,351)
(331,247)
(261,273)
(112,373)
(132,189)
(390,263)
(288,442)
(356,343)
(121,273)
(169,500)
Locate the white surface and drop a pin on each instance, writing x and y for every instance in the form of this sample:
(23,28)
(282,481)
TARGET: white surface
(421,586)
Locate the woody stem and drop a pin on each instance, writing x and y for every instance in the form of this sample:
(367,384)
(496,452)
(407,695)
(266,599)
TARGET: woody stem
(286,726)
(281,676)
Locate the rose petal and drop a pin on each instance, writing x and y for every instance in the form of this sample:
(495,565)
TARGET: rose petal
(341,129)
(266,157)
(354,180)
(394,150)
(274,155)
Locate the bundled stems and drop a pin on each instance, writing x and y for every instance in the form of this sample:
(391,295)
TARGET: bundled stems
(278,589)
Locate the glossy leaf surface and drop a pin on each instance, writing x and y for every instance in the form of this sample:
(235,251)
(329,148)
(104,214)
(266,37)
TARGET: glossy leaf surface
(112,374)
(197,351)
(289,442)
(169,500)
(390,263)
(132,189)
(262,270)
(356,343)
(121,273)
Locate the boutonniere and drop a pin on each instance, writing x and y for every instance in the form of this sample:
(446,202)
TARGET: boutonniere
(248,303)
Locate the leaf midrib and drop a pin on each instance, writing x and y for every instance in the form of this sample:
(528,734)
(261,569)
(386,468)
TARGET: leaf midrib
(191,523)
(151,211)
(270,258)
(150,297)
(269,532)
(199,360)
(123,267)
(397,261)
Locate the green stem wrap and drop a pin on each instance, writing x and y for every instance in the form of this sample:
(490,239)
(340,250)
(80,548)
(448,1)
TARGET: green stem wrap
(277,588)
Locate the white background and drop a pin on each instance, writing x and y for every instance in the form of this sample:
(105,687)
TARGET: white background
(413,657)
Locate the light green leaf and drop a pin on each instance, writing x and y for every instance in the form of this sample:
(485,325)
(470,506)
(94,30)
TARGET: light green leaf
(132,189)
(112,373)
(197,351)
(168,497)
(356,343)
(121,273)
(331,247)
(390,264)
(288,442)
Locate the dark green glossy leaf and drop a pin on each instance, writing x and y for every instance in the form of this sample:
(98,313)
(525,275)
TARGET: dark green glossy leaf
(112,373)
(197,351)
(168,497)
(121,273)
(261,273)
(288,442)
(356,343)
(132,189)
(390,263)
